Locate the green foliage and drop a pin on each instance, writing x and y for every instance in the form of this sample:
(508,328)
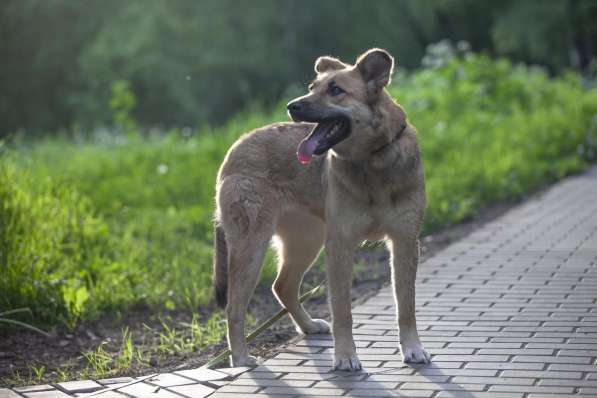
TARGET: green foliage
(106,222)
(181,340)
(52,247)
(122,103)
(192,62)
(493,131)
(99,361)
(191,337)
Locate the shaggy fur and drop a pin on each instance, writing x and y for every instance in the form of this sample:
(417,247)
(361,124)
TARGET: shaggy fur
(369,186)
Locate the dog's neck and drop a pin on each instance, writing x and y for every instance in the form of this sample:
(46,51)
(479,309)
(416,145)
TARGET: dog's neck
(391,122)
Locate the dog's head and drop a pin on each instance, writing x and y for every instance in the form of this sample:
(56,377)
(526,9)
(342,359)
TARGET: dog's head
(341,101)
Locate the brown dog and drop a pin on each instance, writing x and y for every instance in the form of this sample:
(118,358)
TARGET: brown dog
(366,183)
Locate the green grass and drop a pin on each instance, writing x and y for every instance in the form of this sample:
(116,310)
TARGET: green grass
(99,223)
(170,340)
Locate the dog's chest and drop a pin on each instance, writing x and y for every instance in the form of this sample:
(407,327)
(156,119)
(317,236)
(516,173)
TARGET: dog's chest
(374,190)
(377,202)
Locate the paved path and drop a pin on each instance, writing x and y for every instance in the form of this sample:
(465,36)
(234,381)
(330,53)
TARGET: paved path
(509,311)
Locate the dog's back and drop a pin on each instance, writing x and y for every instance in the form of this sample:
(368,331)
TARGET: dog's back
(261,158)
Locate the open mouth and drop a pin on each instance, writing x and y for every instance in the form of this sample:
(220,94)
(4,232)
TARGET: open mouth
(324,136)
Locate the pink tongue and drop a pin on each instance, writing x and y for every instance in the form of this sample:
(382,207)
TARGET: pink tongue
(305,150)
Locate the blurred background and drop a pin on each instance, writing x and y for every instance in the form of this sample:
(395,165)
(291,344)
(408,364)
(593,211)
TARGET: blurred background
(190,62)
(115,116)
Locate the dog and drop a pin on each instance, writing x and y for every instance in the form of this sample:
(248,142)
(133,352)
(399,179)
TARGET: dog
(347,169)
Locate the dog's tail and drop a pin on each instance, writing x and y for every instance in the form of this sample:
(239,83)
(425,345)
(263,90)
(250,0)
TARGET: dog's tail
(220,266)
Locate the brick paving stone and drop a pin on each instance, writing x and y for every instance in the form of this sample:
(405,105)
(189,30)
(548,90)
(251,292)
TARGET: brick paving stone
(516,381)
(389,393)
(303,356)
(317,392)
(204,374)
(358,384)
(566,382)
(515,351)
(467,394)
(323,376)
(239,389)
(234,371)
(82,386)
(532,389)
(493,345)
(114,387)
(263,375)
(39,387)
(274,382)
(544,395)
(510,311)
(169,380)
(551,359)
(6,393)
(588,391)
(217,383)
(240,395)
(108,394)
(436,364)
(46,394)
(192,390)
(297,349)
(542,374)
(471,358)
(289,362)
(408,378)
(291,369)
(457,372)
(578,353)
(143,390)
(563,346)
(115,380)
(442,386)
(328,362)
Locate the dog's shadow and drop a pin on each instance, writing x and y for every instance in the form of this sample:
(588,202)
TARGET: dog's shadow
(421,376)
(313,372)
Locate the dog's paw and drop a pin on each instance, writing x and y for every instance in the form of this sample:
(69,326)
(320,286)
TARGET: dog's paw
(414,353)
(248,360)
(317,326)
(350,363)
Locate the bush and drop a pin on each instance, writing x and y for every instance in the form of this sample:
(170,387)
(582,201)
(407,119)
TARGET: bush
(106,222)
(492,131)
(53,249)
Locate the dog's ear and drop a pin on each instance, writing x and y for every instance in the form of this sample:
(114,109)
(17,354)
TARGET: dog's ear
(324,64)
(376,67)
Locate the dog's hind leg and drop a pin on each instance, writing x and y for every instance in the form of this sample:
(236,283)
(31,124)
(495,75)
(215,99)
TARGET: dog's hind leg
(300,238)
(247,217)
(243,273)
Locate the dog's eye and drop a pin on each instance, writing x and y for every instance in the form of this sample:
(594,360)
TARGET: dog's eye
(335,91)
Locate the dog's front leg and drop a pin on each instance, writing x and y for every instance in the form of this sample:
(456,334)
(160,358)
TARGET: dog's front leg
(404,261)
(339,259)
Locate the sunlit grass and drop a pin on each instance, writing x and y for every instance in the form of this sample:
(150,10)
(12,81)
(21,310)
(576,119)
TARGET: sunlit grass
(99,222)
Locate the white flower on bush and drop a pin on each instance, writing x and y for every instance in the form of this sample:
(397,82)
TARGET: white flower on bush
(162,169)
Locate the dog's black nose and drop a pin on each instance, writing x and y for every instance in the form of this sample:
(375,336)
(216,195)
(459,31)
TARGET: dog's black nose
(295,106)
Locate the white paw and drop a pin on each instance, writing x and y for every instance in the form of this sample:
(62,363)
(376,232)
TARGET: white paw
(414,353)
(248,360)
(318,326)
(350,363)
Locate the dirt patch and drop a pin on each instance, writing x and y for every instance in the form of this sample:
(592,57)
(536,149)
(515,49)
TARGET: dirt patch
(29,358)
